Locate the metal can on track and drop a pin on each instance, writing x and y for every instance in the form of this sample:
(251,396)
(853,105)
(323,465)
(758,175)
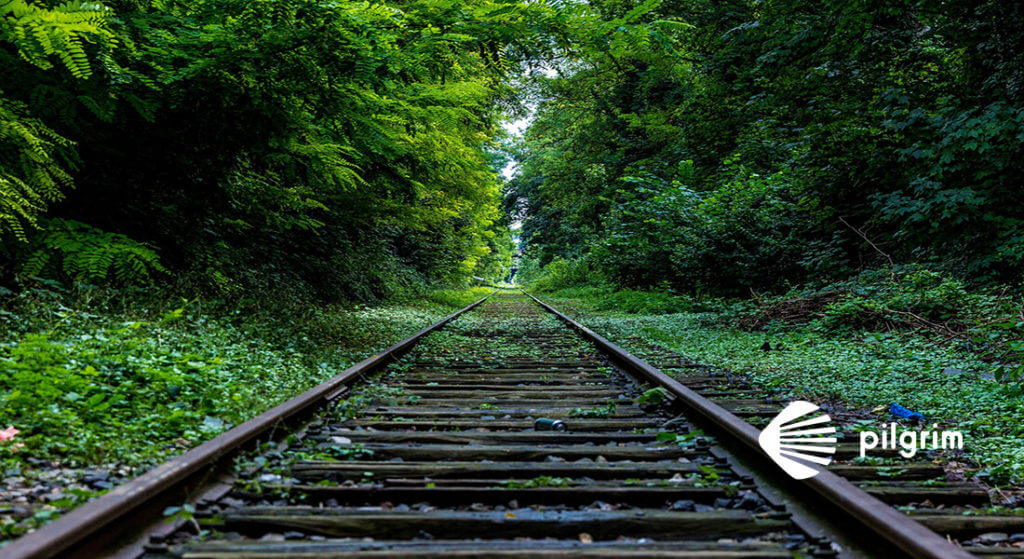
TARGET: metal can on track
(544,424)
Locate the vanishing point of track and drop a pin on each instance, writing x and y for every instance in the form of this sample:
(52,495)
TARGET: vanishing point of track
(441,456)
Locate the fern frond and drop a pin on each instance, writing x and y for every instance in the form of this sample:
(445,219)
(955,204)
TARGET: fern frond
(30,177)
(75,251)
(40,33)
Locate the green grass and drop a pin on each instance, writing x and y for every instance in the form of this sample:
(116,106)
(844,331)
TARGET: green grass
(101,381)
(456,298)
(864,369)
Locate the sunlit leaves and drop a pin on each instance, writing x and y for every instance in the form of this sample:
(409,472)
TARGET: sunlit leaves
(283,123)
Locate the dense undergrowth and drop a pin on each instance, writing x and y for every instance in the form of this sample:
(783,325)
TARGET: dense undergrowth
(911,337)
(92,377)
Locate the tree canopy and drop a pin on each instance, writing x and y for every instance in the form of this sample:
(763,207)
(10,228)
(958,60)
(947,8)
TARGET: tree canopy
(352,149)
(774,143)
(346,147)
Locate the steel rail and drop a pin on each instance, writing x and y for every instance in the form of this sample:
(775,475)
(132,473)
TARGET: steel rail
(882,519)
(119,504)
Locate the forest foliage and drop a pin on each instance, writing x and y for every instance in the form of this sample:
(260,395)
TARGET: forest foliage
(772,144)
(343,150)
(863,154)
(349,150)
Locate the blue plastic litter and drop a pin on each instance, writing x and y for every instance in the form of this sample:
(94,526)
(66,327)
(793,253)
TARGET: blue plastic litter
(904,413)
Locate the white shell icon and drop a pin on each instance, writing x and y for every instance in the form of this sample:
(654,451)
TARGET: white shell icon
(785,440)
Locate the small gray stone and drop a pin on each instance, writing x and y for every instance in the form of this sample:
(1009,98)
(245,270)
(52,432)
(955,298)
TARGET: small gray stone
(294,535)
(683,505)
(990,538)
(703,508)
(749,501)
(93,477)
(1014,538)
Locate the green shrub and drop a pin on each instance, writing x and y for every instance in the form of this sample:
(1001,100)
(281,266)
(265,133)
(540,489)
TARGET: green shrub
(645,302)
(632,301)
(910,297)
(902,299)
(75,252)
(457,298)
(562,274)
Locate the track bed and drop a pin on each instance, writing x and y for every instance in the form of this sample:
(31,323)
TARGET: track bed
(443,446)
(440,457)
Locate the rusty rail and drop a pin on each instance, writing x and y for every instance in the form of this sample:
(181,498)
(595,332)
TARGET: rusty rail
(98,518)
(882,519)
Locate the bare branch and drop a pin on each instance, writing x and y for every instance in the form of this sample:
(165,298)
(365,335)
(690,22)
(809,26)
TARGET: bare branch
(866,239)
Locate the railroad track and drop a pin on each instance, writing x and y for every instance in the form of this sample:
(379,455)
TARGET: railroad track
(442,455)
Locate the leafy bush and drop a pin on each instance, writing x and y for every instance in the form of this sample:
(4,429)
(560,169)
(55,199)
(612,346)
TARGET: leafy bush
(41,34)
(659,234)
(30,175)
(905,298)
(562,274)
(34,160)
(632,301)
(457,297)
(746,232)
(915,297)
(645,302)
(76,252)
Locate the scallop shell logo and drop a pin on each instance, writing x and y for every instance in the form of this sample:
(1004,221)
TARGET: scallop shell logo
(788,439)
